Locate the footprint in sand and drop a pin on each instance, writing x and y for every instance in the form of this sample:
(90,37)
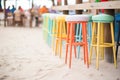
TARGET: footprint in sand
(4,77)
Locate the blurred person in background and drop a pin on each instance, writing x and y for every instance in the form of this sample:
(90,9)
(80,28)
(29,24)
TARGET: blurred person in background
(31,16)
(19,16)
(8,10)
(21,9)
(36,15)
(13,9)
(9,16)
(43,10)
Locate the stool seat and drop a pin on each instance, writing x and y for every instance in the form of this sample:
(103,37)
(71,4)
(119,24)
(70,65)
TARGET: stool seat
(117,17)
(77,18)
(53,16)
(61,17)
(90,17)
(102,18)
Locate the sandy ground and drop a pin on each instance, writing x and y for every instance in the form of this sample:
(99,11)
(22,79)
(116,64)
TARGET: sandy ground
(25,56)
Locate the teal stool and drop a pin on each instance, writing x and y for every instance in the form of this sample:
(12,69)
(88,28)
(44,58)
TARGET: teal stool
(50,25)
(52,29)
(45,26)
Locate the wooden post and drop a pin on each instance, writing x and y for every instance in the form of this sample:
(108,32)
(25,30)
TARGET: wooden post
(0,4)
(53,3)
(78,11)
(32,4)
(5,12)
(92,11)
(65,11)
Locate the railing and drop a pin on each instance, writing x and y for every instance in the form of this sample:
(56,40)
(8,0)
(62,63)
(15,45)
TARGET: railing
(95,5)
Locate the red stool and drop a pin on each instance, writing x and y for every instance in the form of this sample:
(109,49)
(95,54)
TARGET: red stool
(72,20)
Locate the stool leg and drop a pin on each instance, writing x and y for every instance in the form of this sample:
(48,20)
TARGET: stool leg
(76,37)
(98,43)
(95,38)
(79,37)
(85,41)
(118,40)
(89,35)
(71,40)
(47,29)
(60,38)
(102,40)
(83,38)
(62,35)
(74,40)
(57,40)
(49,22)
(53,34)
(67,41)
(92,41)
(50,32)
(113,43)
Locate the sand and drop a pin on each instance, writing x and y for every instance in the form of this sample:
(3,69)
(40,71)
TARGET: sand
(24,55)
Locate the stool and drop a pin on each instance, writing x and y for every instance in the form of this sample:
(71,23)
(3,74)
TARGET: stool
(45,26)
(60,34)
(50,28)
(89,33)
(53,31)
(72,20)
(98,40)
(89,30)
(117,21)
(43,29)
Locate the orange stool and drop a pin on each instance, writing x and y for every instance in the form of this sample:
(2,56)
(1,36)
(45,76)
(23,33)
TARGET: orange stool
(71,37)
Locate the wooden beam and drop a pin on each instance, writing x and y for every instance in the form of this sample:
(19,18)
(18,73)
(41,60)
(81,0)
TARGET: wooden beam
(99,5)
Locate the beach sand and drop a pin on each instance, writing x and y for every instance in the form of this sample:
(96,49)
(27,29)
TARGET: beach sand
(24,55)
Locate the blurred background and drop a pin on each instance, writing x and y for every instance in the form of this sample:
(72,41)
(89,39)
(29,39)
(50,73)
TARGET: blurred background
(27,4)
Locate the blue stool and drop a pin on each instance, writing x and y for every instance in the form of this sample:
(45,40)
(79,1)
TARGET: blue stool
(117,21)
